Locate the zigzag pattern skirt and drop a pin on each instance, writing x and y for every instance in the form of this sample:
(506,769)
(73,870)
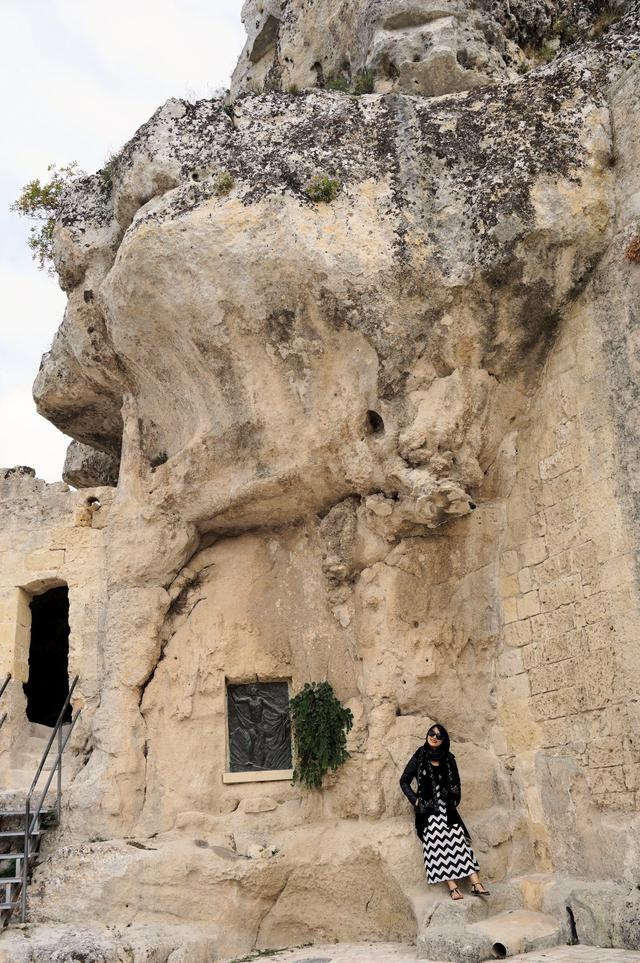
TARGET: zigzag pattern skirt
(446,852)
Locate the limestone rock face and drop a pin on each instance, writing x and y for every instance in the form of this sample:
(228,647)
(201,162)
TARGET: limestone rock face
(419,47)
(386,439)
(85,467)
(394,333)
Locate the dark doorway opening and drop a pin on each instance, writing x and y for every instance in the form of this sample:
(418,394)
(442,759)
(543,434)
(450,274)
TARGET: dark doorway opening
(48,684)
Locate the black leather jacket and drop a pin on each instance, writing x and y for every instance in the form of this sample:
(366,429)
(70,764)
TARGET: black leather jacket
(416,769)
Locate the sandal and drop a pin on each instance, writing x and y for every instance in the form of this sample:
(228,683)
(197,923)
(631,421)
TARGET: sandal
(453,890)
(479,892)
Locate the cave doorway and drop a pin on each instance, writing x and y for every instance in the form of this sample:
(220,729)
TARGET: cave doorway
(48,684)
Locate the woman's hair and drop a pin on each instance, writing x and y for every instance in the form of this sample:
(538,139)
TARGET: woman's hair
(444,746)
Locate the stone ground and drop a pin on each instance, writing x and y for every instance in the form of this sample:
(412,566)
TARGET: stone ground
(399,953)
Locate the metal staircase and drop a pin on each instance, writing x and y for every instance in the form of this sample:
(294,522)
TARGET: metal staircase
(22,829)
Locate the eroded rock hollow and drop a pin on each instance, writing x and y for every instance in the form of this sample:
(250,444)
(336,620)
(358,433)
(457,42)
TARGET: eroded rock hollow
(387,439)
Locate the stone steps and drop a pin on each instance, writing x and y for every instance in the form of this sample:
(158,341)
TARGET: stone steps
(519,931)
(496,937)
(475,929)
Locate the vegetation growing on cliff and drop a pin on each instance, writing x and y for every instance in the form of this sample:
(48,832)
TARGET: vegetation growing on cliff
(40,202)
(320,725)
(322,188)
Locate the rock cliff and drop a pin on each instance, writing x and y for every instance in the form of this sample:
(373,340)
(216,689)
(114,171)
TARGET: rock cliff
(366,356)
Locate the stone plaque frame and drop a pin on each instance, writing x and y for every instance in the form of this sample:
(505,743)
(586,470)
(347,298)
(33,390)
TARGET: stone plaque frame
(274,705)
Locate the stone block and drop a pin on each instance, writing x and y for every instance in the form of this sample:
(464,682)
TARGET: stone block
(554,732)
(532,551)
(509,562)
(596,607)
(532,655)
(561,647)
(518,632)
(44,560)
(456,944)
(509,610)
(555,705)
(606,780)
(528,605)
(563,486)
(623,802)
(510,662)
(562,591)
(562,460)
(548,625)
(509,586)
(550,569)
(525,580)
(605,752)
(548,678)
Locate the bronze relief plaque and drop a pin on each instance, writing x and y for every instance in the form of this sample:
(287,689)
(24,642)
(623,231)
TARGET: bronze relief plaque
(259,726)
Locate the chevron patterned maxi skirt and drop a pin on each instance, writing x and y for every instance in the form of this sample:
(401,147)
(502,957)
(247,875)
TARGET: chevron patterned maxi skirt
(446,852)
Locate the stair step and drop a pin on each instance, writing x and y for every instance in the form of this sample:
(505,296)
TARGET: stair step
(520,931)
(13,834)
(8,906)
(10,879)
(12,813)
(6,856)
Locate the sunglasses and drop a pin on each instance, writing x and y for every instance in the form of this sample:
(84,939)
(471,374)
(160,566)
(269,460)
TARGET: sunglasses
(436,735)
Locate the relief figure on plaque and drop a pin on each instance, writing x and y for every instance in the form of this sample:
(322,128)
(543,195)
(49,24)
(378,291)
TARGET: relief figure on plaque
(259,727)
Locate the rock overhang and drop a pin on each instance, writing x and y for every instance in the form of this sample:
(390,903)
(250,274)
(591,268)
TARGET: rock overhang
(492,203)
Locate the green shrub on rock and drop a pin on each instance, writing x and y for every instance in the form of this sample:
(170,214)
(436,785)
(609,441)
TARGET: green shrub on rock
(323,188)
(320,724)
(223,183)
(40,202)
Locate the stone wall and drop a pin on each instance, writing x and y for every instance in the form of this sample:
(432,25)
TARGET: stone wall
(389,441)
(49,536)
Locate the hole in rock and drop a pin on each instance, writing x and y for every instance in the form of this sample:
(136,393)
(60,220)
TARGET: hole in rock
(94,502)
(573,932)
(472,505)
(375,422)
(158,460)
(48,683)
(500,951)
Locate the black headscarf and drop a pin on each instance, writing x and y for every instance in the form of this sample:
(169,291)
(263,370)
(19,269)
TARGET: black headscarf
(440,752)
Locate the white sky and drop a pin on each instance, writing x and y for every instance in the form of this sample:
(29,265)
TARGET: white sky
(78,78)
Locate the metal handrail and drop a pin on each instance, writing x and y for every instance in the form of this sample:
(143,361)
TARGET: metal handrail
(2,688)
(31,820)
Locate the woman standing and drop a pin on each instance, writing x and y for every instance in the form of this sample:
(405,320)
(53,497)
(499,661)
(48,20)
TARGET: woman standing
(447,853)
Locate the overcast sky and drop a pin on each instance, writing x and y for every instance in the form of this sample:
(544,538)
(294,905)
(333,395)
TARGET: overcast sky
(78,78)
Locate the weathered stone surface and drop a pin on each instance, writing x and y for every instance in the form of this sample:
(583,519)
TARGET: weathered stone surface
(387,441)
(85,467)
(97,943)
(418,47)
(458,944)
(602,913)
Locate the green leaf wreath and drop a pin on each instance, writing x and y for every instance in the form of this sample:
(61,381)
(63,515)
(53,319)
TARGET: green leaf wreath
(320,725)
